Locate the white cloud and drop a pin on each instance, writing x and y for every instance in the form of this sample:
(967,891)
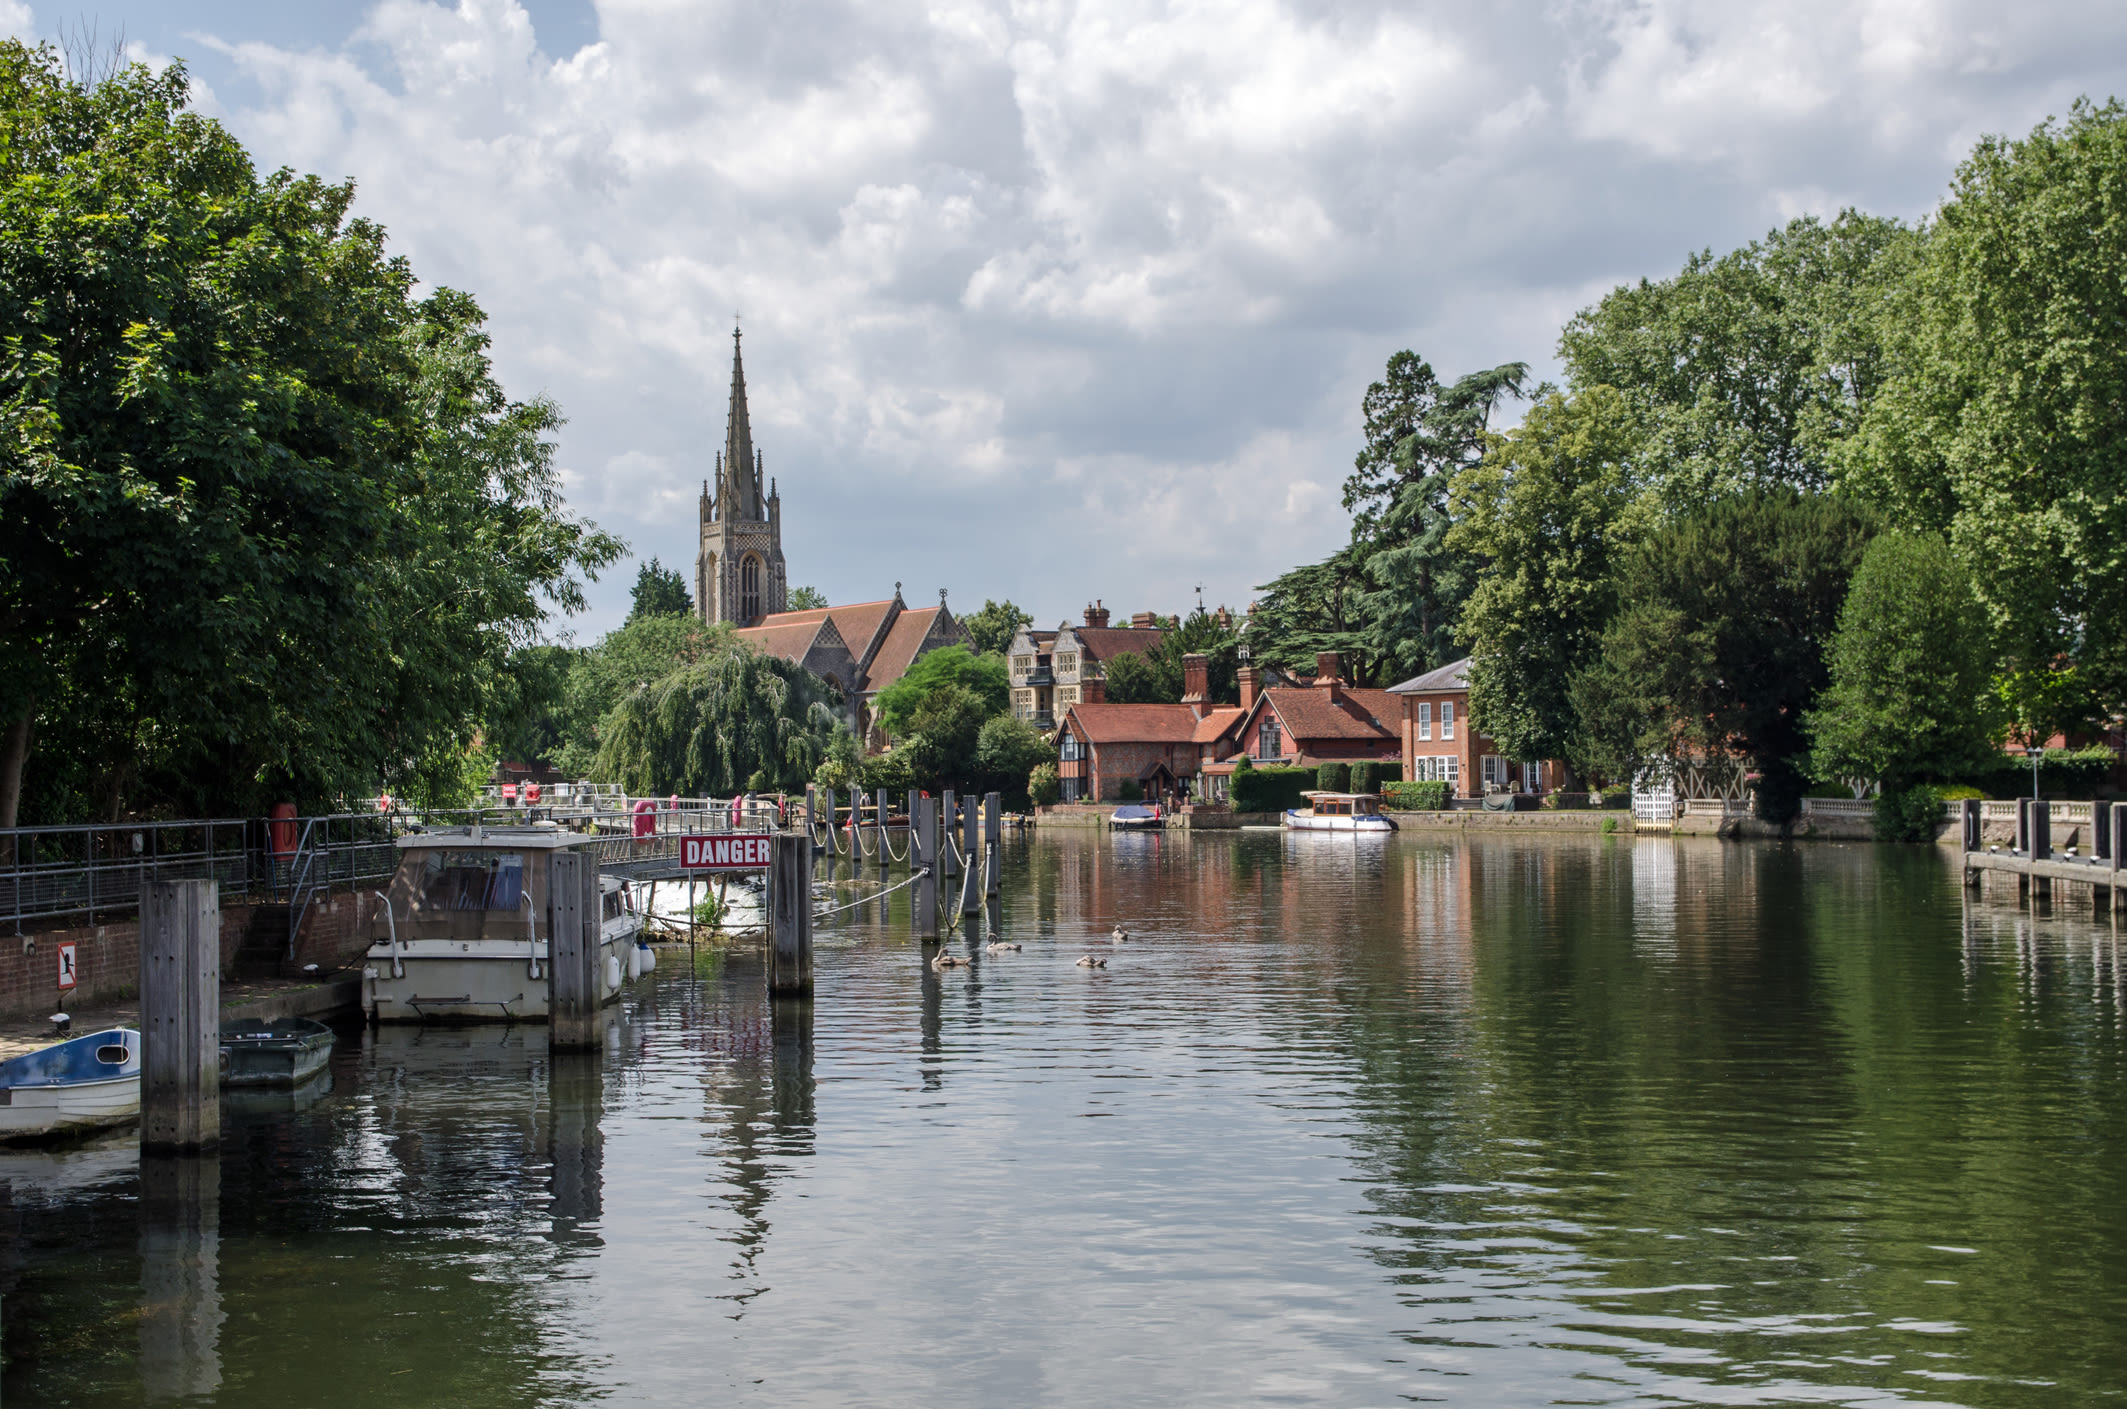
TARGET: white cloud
(1067,300)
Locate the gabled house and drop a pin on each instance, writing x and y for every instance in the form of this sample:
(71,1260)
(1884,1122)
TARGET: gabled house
(1324,721)
(863,648)
(1053,670)
(1441,742)
(1160,747)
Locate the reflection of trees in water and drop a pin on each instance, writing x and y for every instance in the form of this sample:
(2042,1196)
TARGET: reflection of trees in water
(756,1064)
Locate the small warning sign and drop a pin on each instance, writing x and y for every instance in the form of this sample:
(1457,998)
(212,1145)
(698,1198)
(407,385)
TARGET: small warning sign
(66,966)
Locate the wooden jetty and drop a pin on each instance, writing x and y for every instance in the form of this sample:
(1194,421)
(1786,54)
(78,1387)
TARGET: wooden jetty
(2032,858)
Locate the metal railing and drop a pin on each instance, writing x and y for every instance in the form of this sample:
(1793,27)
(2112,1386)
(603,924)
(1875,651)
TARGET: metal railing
(47,872)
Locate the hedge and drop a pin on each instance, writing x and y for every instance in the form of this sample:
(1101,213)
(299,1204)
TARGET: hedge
(1417,797)
(1270,789)
(1366,777)
(1334,777)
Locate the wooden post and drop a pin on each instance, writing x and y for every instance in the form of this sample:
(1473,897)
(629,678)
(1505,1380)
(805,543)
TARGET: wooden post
(2041,830)
(2023,825)
(2100,831)
(993,819)
(1970,807)
(922,850)
(948,819)
(180,1017)
(912,862)
(827,798)
(971,844)
(2119,822)
(572,953)
(790,917)
(990,881)
(812,811)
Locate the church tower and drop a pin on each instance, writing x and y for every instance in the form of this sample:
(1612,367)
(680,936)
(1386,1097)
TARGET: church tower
(738,575)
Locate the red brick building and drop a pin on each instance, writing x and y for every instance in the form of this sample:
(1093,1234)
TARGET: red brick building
(1325,721)
(1440,741)
(1160,747)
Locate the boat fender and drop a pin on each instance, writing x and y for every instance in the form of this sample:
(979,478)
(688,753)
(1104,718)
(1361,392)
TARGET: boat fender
(635,963)
(649,957)
(612,972)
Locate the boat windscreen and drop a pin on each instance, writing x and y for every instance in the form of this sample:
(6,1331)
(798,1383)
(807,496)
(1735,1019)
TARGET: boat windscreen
(472,880)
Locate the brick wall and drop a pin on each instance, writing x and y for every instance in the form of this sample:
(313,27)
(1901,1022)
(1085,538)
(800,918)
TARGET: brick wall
(1112,763)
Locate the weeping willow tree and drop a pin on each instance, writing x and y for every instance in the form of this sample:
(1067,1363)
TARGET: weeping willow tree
(733,722)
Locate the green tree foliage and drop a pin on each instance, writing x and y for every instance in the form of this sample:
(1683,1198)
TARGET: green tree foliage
(1744,370)
(1552,510)
(1314,608)
(1719,645)
(984,676)
(271,528)
(805,599)
(1008,752)
(1140,677)
(732,721)
(1906,700)
(1044,786)
(626,662)
(991,629)
(659,591)
(2004,420)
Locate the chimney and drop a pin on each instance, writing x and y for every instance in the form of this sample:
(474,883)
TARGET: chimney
(1249,677)
(1096,615)
(1223,617)
(1145,621)
(1196,683)
(1094,691)
(1329,669)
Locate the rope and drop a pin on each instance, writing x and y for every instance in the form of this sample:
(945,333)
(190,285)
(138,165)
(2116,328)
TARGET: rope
(889,839)
(959,855)
(875,895)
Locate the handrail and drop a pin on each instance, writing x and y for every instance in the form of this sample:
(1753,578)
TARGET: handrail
(398,969)
(531,924)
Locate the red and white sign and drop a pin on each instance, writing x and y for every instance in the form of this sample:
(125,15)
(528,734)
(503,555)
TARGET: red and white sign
(67,971)
(749,851)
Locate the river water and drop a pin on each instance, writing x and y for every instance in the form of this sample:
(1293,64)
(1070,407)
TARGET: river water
(1584,1120)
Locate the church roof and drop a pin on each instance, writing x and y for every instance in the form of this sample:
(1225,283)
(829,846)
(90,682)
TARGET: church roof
(904,642)
(792,640)
(738,490)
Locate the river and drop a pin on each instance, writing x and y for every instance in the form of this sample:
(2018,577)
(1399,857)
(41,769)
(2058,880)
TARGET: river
(1586,1120)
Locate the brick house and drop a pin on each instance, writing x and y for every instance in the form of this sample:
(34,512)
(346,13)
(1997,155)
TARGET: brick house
(1161,747)
(1325,721)
(1053,670)
(1440,742)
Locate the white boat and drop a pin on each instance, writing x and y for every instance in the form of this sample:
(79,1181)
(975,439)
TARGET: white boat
(1339,812)
(79,1084)
(461,934)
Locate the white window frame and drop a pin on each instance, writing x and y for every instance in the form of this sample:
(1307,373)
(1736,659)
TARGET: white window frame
(1493,771)
(1425,719)
(1447,719)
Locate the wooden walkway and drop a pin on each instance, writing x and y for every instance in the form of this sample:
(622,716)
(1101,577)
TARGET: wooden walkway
(2032,859)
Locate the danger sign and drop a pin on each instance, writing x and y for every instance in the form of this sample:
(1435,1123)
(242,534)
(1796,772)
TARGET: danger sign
(66,966)
(738,853)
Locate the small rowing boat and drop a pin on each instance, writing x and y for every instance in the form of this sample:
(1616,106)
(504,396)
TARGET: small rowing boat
(79,1084)
(280,1053)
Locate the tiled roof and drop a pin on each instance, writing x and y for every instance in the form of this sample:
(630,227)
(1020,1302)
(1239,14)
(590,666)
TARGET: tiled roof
(789,639)
(859,624)
(898,652)
(1212,725)
(1455,675)
(1135,723)
(1108,642)
(1359,714)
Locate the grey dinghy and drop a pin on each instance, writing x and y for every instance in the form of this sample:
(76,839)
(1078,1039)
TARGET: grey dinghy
(279,1053)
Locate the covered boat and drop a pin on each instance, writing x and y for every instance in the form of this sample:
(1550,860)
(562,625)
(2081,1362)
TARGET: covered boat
(79,1084)
(461,935)
(278,1053)
(1339,812)
(1133,818)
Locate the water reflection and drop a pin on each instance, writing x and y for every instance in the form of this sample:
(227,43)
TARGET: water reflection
(180,1277)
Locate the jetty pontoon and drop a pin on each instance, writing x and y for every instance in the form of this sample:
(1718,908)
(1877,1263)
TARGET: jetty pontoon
(461,934)
(1339,812)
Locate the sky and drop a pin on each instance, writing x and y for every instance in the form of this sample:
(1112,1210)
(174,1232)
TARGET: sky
(1059,301)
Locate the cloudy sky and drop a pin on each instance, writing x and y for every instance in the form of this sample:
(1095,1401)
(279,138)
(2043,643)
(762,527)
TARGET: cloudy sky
(1057,300)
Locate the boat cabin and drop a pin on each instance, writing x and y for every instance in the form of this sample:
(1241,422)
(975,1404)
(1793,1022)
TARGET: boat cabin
(463,883)
(1343,804)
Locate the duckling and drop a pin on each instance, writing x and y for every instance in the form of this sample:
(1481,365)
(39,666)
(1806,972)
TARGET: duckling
(947,959)
(1087,961)
(998,946)
(1119,935)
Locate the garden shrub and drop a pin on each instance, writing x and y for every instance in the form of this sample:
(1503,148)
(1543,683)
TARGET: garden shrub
(1334,777)
(1617,795)
(1043,785)
(1960,792)
(1417,797)
(1366,778)
(1270,789)
(1910,814)
(1130,791)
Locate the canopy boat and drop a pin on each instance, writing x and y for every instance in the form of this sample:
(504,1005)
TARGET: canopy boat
(78,1084)
(282,1053)
(1339,812)
(461,934)
(1133,818)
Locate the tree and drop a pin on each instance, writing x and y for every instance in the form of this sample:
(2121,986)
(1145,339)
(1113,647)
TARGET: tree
(1007,753)
(281,507)
(2004,421)
(1314,608)
(985,677)
(991,630)
(659,591)
(1745,370)
(1906,701)
(1718,649)
(625,662)
(1551,510)
(733,721)
(1136,677)
(805,599)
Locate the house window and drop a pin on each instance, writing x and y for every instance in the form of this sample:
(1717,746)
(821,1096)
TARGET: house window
(1067,747)
(1021,665)
(1425,721)
(1067,663)
(1447,720)
(1532,777)
(1067,694)
(1070,790)
(1268,742)
(1495,771)
(750,588)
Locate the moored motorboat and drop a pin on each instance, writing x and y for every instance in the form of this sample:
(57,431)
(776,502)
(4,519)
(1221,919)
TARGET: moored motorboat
(278,1053)
(80,1084)
(1339,812)
(1134,818)
(461,935)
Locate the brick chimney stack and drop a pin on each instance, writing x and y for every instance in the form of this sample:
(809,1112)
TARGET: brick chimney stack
(1144,621)
(1196,683)
(1250,679)
(1329,673)
(1094,691)
(1096,615)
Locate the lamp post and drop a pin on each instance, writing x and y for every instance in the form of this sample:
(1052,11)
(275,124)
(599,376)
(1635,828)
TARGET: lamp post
(2035,752)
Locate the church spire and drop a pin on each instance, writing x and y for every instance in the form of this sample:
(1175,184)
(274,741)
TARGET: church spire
(739,493)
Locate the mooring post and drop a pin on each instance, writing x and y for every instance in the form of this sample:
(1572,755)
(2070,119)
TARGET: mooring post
(993,817)
(827,796)
(790,908)
(812,810)
(2119,821)
(990,881)
(2101,831)
(572,952)
(2041,830)
(913,863)
(180,1017)
(1970,808)
(948,821)
(922,849)
(2023,825)
(971,847)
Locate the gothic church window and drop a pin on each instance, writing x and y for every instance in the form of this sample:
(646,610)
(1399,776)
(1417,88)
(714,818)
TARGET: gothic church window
(750,588)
